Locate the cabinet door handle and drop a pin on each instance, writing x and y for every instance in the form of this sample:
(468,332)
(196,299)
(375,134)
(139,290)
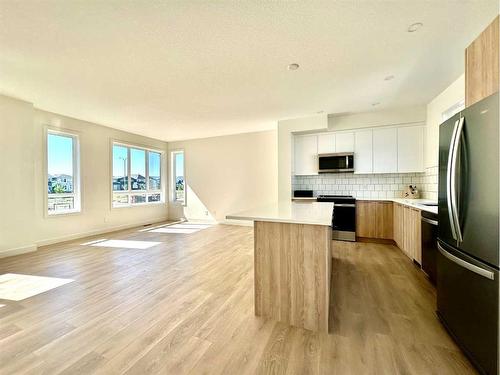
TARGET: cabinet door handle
(430,221)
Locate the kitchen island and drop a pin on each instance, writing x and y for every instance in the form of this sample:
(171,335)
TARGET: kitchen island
(292,262)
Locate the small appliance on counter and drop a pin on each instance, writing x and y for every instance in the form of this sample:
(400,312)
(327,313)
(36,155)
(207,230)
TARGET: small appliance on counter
(303,195)
(411,192)
(344,216)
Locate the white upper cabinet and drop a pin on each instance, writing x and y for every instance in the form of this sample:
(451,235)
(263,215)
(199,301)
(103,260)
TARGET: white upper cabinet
(305,154)
(326,143)
(394,149)
(385,150)
(411,149)
(363,151)
(344,142)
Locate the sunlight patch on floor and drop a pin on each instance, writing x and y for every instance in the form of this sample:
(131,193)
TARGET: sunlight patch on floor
(183,228)
(93,242)
(191,225)
(16,287)
(126,244)
(175,230)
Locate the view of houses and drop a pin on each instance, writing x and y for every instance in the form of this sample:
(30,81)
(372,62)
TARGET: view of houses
(138,182)
(179,188)
(60,184)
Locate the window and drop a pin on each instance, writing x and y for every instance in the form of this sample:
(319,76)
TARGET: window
(179,182)
(136,176)
(63,189)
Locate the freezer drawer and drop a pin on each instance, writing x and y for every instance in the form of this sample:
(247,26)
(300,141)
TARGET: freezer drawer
(467,303)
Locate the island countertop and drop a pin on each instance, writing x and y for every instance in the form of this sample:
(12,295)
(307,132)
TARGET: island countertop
(314,213)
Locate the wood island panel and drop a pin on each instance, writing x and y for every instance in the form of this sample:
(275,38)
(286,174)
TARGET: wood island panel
(292,273)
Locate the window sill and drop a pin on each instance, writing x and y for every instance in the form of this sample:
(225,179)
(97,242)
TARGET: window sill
(138,205)
(179,203)
(64,213)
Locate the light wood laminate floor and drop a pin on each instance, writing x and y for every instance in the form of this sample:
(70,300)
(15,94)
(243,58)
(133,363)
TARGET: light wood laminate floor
(186,306)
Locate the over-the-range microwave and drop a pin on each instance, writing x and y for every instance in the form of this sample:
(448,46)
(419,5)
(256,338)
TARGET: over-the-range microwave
(335,163)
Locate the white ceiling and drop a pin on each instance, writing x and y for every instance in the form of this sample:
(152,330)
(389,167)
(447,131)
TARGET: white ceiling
(179,70)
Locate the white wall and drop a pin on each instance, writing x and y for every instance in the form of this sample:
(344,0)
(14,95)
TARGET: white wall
(396,116)
(23,221)
(227,174)
(449,97)
(17,201)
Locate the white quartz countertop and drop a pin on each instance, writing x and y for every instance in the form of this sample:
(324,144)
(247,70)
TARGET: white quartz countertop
(306,212)
(415,203)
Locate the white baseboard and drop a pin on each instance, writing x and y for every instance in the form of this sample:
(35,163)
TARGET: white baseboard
(75,236)
(18,250)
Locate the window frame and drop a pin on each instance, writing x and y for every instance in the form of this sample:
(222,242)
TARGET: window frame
(129,191)
(173,177)
(77,188)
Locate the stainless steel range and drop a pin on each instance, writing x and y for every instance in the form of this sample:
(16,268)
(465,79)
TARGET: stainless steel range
(344,216)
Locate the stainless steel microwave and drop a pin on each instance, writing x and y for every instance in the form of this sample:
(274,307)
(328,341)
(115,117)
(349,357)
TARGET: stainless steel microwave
(335,163)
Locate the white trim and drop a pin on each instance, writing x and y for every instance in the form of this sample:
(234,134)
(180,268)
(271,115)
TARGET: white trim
(136,145)
(75,236)
(17,251)
(77,172)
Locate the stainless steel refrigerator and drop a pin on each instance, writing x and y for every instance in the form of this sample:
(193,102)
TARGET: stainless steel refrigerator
(467,263)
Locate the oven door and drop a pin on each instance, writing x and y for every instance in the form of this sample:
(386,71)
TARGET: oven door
(344,221)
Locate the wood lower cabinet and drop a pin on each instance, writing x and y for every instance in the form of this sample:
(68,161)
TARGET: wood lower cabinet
(415,242)
(374,219)
(407,232)
(482,65)
(398,231)
(391,221)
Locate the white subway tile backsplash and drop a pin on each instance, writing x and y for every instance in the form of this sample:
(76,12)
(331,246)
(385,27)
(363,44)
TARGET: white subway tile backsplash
(388,185)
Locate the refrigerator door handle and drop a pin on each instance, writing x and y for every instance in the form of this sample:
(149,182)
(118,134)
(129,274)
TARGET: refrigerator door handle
(453,187)
(471,267)
(449,181)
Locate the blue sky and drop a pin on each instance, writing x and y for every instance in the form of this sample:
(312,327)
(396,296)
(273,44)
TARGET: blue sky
(119,166)
(60,154)
(179,164)
(138,165)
